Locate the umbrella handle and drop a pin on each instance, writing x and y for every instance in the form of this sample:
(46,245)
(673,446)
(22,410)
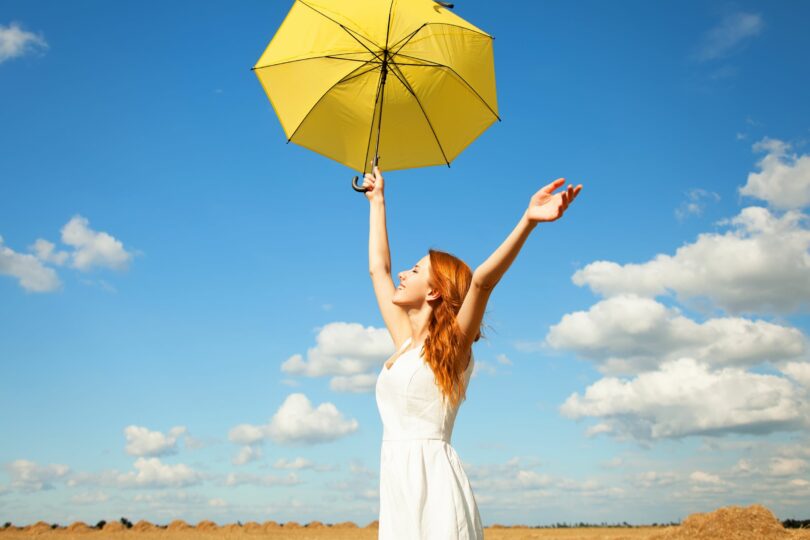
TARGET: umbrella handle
(444,4)
(361,189)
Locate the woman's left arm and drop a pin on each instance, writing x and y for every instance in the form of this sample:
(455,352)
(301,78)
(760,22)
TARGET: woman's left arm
(543,206)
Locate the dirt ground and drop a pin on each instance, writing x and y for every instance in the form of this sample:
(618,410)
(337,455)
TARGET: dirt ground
(330,533)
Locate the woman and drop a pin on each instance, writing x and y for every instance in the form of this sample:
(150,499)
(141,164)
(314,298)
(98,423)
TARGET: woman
(434,316)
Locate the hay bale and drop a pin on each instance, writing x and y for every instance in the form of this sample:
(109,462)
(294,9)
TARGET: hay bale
(144,525)
(79,527)
(292,525)
(373,525)
(271,526)
(38,527)
(231,527)
(207,525)
(252,526)
(178,525)
(315,525)
(113,526)
(754,522)
(345,525)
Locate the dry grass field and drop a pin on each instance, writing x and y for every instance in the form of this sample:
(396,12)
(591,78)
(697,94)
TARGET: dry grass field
(729,523)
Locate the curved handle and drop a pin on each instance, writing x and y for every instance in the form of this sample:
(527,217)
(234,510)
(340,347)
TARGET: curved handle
(356,187)
(444,4)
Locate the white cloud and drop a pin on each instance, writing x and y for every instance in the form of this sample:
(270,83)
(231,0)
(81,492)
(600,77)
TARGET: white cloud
(784,178)
(630,334)
(342,349)
(32,274)
(774,278)
(685,398)
(247,454)
(694,203)
(781,466)
(241,479)
(800,371)
(351,353)
(26,475)
(297,463)
(700,477)
(503,359)
(217,502)
(16,42)
(729,35)
(44,251)
(298,422)
(650,479)
(143,442)
(93,248)
(360,383)
(150,473)
(482,366)
(90,498)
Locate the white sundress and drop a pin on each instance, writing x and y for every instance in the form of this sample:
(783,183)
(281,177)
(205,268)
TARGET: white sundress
(424,491)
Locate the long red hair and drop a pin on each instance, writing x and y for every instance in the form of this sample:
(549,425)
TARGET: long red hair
(452,278)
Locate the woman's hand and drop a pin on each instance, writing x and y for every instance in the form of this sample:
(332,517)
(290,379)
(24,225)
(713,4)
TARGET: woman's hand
(374,184)
(547,206)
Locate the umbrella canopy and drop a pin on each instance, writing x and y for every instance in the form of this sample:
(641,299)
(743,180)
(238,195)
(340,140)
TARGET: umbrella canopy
(408,80)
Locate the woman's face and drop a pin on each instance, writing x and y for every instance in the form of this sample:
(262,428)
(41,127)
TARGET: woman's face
(413,286)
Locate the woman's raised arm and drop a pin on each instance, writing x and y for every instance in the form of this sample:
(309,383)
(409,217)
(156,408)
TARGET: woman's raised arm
(379,260)
(543,206)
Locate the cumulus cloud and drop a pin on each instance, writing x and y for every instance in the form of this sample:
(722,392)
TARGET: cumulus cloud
(143,442)
(16,42)
(799,371)
(247,454)
(729,35)
(342,349)
(360,383)
(297,463)
(781,466)
(784,177)
(149,473)
(93,248)
(774,279)
(684,397)
(629,334)
(32,275)
(297,422)
(348,352)
(45,252)
(27,475)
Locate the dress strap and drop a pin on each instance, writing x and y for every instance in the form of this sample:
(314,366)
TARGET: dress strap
(405,343)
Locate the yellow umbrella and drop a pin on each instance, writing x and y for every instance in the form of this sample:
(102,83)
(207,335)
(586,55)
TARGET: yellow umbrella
(335,69)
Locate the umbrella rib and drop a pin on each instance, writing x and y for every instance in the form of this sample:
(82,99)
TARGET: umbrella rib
(347,30)
(312,58)
(395,70)
(344,78)
(388,27)
(407,39)
(459,26)
(468,85)
(371,127)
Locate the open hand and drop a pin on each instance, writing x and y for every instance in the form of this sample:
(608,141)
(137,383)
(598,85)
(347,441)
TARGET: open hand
(374,184)
(547,206)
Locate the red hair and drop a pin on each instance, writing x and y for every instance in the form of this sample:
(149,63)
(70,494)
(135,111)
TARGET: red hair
(452,278)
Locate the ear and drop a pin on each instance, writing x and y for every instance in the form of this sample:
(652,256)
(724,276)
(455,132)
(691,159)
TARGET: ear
(433,294)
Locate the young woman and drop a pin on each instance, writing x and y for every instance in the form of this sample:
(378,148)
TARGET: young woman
(434,316)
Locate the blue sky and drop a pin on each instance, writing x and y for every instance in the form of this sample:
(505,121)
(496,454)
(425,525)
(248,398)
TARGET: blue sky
(165,256)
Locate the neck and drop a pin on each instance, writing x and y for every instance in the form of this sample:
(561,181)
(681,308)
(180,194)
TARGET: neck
(420,319)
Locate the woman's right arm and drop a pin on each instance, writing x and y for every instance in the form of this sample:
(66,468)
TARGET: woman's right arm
(379,261)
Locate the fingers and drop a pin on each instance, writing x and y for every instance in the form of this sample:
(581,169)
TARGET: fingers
(554,185)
